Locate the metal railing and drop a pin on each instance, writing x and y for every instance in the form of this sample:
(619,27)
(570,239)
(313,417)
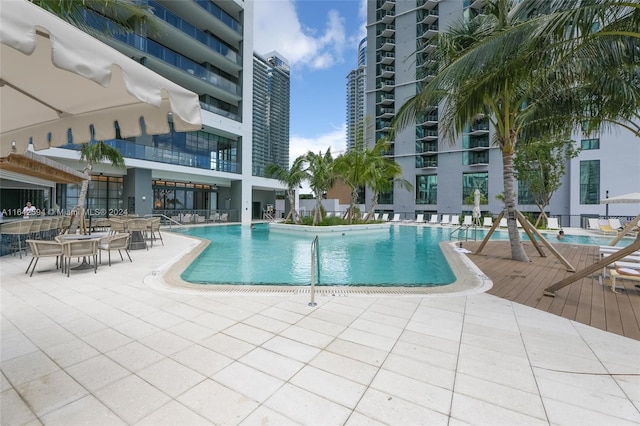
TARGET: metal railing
(314,257)
(459,230)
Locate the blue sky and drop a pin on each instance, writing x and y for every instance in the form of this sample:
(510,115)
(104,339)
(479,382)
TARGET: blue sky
(319,38)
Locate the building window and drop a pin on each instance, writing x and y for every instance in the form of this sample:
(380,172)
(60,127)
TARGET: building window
(590,143)
(590,182)
(473,181)
(427,189)
(524,193)
(104,196)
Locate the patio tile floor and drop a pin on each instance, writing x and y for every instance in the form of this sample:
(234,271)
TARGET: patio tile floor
(109,349)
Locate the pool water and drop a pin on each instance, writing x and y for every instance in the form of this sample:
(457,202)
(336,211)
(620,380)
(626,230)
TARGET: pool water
(400,256)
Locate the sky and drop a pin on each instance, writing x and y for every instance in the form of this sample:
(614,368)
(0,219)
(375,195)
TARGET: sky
(319,39)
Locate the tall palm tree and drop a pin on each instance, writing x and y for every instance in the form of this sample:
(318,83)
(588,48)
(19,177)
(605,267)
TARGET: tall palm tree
(292,177)
(351,168)
(93,153)
(516,69)
(321,178)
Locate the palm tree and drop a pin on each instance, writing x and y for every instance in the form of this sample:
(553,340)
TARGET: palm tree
(93,153)
(521,73)
(292,178)
(383,174)
(351,168)
(321,178)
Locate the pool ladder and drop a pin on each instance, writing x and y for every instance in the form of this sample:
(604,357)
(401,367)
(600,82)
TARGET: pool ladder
(464,230)
(315,257)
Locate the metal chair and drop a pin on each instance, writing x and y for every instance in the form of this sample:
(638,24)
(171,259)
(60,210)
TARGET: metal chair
(44,249)
(114,242)
(79,248)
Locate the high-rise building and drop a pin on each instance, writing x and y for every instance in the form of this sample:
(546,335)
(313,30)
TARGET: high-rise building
(206,47)
(271,93)
(445,173)
(356,97)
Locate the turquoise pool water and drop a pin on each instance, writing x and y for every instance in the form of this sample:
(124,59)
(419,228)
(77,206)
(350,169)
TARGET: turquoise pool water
(401,256)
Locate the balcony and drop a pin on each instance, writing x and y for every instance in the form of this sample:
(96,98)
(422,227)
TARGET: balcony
(388,72)
(387,85)
(427,162)
(388,31)
(430,147)
(478,4)
(429,31)
(386,16)
(428,120)
(429,17)
(388,5)
(383,126)
(387,58)
(479,129)
(388,44)
(427,4)
(387,99)
(386,113)
(427,47)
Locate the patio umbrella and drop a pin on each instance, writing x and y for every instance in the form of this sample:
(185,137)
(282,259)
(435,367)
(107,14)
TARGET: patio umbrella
(632,197)
(56,79)
(476,206)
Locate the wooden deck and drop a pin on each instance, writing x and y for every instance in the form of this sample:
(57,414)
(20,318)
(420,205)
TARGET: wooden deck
(586,301)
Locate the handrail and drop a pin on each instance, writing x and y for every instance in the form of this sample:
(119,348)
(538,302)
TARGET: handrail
(164,217)
(314,249)
(466,233)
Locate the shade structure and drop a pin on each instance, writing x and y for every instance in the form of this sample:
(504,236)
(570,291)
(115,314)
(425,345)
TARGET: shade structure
(632,197)
(56,79)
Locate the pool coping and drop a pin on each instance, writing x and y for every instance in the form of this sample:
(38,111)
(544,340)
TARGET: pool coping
(469,278)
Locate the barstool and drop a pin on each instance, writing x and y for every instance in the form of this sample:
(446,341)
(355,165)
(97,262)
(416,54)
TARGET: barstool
(17,230)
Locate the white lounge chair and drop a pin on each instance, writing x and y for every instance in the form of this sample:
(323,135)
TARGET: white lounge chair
(468,221)
(615,224)
(396,217)
(445,220)
(605,228)
(455,219)
(503,223)
(552,223)
(385,217)
(487,222)
(594,224)
(376,216)
(420,218)
(433,220)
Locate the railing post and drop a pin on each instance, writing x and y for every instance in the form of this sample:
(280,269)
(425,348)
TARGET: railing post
(313,272)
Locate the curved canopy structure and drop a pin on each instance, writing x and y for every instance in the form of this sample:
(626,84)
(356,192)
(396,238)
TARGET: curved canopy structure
(59,84)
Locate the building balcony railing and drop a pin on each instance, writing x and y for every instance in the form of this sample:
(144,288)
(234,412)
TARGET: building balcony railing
(204,38)
(388,72)
(387,30)
(222,16)
(427,4)
(170,57)
(386,16)
(387,58)
(429,16)
(387,4)
(387,44)
(386,99)
(428,31)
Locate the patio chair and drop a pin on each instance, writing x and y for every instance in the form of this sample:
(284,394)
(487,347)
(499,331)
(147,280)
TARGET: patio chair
(45,229)
(445,220)
(623,273)
(79,248)
(467,221)
(615,224)
(385,217)
(396,217)
(552,223)
(17,231)
(433,219)
(593,224)
(117,226)
(455,219)
(605,228)
(487,222)
(153,230)
(114,242)
(376,216)
(40,249)
(138,230)
(420,218)
(503,223)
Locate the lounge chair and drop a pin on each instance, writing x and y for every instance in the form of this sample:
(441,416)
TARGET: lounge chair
(615,224)
(594,224)
(114,242)
(396,217)
(385,217)
(376,216)
(455,219)
(487,222)
(433,220)
(503,223)
(445,220)
(605,228)
(420,218)
(467,221)
(552,223)
(623,273)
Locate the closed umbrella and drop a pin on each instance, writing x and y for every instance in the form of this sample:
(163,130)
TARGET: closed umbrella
(476,207)
(56,81)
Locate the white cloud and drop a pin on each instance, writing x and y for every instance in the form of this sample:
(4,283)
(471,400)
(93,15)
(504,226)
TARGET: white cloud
(277,27)
(299,145)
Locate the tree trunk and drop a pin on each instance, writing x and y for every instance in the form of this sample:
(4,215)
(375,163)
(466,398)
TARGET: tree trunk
(517,250)
(293,213)
(82,198)
(374,203)
(317,214)
(352,207)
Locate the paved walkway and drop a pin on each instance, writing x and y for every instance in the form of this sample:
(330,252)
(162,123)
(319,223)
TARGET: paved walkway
(109,348)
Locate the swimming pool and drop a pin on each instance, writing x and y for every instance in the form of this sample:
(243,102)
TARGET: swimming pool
(401,256)
(398,256)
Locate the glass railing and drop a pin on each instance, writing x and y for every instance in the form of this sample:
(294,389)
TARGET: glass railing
(190,30)
(223,16)
(179,61)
